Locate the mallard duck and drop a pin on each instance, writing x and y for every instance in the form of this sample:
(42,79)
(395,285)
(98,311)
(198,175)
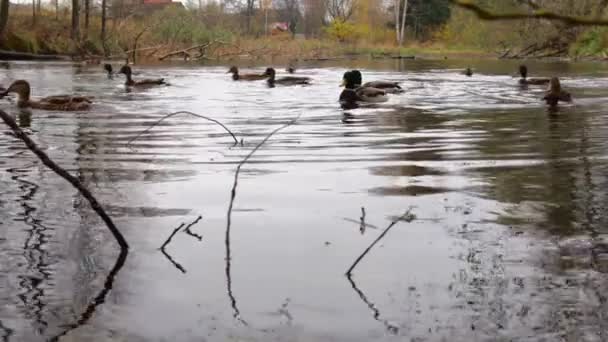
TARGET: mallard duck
(387,86)
(245,77)
(523,71)
(468,72)
(141,83)
(57,102)
(554,93)
(290,69)
(109,70)
(287,81)
(354,93)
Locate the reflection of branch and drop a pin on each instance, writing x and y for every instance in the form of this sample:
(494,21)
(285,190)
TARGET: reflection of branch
(408,217)
(237,313)
(184,112)
(191,233)
(536,14)
(7,332)
(362,226)
(68,177)
(162,249)
(390,327)
(99,299)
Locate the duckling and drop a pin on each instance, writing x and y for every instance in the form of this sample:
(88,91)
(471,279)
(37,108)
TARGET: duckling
(523,71)
(57,102)
(468,72)
(554,93)
(287,81)
(146,82)
(353,93)
(245,77)
(109,70)
(387,86)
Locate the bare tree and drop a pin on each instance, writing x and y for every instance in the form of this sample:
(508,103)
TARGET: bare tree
(400,20)
(34,12)
(4,5)
(315,13)
(340,9)
(103,26)
(75,20)
(87,6)
(289,11)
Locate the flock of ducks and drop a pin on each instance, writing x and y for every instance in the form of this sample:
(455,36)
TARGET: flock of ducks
(355,90)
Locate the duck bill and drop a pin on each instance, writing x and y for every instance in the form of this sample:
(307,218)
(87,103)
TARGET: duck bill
(343,84)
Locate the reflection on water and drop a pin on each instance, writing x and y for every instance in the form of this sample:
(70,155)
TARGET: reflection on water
(510,240)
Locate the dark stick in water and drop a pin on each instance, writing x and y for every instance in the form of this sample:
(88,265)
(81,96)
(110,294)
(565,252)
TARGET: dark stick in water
(31,145)
(171,236)
(393,329)
(237,313)
(407,216)
(236,141)
(362,227)
(162,248)
(191,233)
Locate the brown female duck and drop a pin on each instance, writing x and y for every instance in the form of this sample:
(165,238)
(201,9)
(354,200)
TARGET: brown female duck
(126,70)
(523,71)
(57,102)
(245,77)
(555,93)
(286,81)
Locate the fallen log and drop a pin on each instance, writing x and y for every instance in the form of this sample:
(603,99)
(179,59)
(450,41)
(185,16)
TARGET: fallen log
(25,56)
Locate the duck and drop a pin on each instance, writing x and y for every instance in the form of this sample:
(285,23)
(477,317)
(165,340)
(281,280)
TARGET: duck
(555,93)
(386,86)
(245,77)
(468,72)
(290,69)
(125,69)
(353,92)
(286,81)
(57,102)
(109,70)
(523,71)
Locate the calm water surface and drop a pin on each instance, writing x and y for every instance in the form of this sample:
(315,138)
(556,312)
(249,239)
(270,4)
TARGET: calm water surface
(509,241)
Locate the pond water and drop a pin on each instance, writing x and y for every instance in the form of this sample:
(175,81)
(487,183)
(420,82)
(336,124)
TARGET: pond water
(509,240)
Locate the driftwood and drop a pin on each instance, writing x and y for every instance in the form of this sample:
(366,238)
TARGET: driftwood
(405,217)
(23,56)
(186,51)
(31,145)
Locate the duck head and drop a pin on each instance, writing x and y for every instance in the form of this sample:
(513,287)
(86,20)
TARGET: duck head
(290,69)
(523,71)
(349,80)
(22,89)
(108,68)
(125,69)
(555,86)
(357,77)
(234,71)
(270,72)
(468,72)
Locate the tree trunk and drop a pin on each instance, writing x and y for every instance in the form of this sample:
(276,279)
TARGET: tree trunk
(103,27)
(34,12)
(87,5)
(4,4)
(57,10)
(75,20)
(402,32)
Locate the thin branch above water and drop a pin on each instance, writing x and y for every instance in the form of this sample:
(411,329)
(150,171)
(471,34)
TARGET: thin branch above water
(236,141)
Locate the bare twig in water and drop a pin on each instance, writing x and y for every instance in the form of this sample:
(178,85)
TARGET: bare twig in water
(237,314)
(191,233)
(362,227)
(171,236)
(31,145)
(236,141)
(393,329)
(162,248)
(407,216)
(99,299)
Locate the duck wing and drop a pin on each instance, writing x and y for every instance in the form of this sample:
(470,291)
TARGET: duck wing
(389,87)
(293,80)
(150,81)
(370,94)
(62,99)
(62,106)
(252,77)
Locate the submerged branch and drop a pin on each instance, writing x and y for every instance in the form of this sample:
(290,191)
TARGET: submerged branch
(407,216)
(535,14)
(363,225)
(162,248)
(31,145)
(171,236)
(393,329)
(191,233)
(237,313)
(236,141)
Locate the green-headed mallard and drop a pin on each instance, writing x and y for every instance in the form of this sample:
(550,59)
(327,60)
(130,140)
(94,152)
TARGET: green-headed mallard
(141,83)
(554,93)
(387,86)
(57,102)
(287,81)
(523,71)
(245,77)
(353,93)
